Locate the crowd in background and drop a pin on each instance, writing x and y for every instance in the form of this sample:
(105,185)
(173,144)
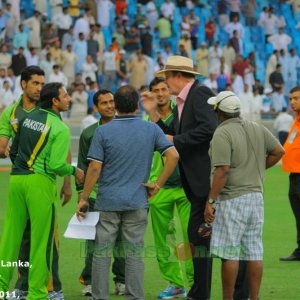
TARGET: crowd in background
(87,44)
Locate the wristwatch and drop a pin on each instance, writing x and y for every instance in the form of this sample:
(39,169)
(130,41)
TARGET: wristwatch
(211,201)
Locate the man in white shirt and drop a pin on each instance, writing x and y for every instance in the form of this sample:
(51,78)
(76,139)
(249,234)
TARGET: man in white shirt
(63,21)
(280,40)
(6,96)
(103,12)
(235,25)
(168,9)
(282,125)
(58,76)
(109,69)
(270,23)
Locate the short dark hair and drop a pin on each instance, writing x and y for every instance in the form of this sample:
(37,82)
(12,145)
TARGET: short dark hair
(295,89)
(28,72)
(126,99)
(98,93)
(156,81)
(49,91)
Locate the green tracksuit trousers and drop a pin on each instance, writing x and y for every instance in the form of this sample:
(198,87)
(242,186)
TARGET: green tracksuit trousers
(30,197)
(162,209)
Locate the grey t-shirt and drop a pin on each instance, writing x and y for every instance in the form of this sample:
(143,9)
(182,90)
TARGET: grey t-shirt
(242,145)
(125,146)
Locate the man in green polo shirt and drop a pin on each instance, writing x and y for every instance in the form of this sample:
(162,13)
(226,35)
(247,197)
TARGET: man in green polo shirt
(162,209)
(36,164)
(103,103)
(32,82)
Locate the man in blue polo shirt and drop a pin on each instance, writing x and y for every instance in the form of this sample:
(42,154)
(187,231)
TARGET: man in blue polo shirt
(121,154)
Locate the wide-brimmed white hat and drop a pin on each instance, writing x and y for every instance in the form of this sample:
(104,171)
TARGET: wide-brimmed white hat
(178,63)
(226,101)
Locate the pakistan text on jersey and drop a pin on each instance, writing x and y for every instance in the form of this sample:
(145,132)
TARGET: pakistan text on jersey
(35,125)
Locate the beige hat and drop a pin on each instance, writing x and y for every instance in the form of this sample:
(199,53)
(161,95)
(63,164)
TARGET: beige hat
(226,101)
(178,63)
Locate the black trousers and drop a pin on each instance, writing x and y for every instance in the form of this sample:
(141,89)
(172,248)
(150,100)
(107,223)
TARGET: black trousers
(294,196)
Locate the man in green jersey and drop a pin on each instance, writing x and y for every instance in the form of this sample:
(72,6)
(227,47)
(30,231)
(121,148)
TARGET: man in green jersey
(35,166)
(162,209)
(104,104)
(32,82)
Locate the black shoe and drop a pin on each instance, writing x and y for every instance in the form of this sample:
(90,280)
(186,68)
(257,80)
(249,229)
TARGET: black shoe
(292,257)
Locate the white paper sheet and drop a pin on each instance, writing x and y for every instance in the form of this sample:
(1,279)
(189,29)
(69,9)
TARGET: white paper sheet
(84,229)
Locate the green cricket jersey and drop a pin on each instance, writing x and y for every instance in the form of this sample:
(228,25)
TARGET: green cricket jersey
(85,141)
(11,117)
(41,145)
(158,161)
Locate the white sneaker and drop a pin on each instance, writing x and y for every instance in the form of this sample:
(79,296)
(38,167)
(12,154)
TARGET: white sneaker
(120,289)
(87,291)
(55,295)
(17,294)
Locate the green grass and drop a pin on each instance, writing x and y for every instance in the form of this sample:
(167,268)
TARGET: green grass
(280,281)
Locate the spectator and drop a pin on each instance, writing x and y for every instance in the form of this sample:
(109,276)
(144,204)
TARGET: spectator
(122,69)
(202,59)
(167,9)
(237,83)
(74,9)
(68,38)
(276,79)
(240,65)
(11,23)
(49,36)
(235,24)
(35,30)
(236,42)
(215,54)
(263,15)
(58,76)
(82,26)
(293,65)
(69,62)
(132,40)
(211,82)
(222,13)
(119,35)
(21,38)
(79,100)
(3,19)
(229,56)
(103,12)
(269,23)
(40,5)
(249,10)
(210,30)
(47,66)
(278,101)
(5,58)
(185,41)
(120,5)
(89,119)
(109,68)
(57,53)
(151,14)
(3,77)
(282,125)
(63,21)
(182,51)
(257,106)
(247,103)
(140,20)
(223,79)
(89,69)
(56,7)
(235,8)
(267,101)
(146,42)
(99,37)
(18,62)
(138,69)
(32,58)
(93,47)
(80,49)
(163,26)
(280,40)
(6,96)
(271,66)
(194,25)
(185,28)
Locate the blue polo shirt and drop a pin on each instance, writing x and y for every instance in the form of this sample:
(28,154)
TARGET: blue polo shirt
(125,146)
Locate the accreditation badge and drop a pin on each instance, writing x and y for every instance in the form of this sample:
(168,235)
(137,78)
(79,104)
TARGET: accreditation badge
(292,136)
